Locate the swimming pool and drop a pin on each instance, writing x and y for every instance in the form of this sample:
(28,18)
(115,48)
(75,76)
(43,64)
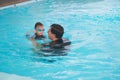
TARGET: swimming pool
(93,26)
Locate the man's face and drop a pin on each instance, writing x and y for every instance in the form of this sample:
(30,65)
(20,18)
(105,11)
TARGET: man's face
(50,35)
(39,30)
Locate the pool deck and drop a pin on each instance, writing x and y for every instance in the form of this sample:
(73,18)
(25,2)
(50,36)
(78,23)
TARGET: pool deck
(10,2)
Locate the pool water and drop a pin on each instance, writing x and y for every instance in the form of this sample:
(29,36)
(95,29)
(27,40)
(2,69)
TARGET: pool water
(93,26)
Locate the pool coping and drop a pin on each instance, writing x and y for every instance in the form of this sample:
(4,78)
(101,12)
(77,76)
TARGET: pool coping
(18,4)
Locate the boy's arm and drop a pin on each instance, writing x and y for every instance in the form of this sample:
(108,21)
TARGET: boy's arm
(28,36)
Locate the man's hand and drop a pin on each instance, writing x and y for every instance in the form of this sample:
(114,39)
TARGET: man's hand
(33,41)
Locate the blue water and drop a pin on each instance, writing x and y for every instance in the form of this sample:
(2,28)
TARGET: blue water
(93,26)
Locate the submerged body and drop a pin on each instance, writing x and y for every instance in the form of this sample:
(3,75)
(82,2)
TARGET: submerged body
(54,48)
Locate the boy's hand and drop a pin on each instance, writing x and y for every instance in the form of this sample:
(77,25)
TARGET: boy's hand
(28,34)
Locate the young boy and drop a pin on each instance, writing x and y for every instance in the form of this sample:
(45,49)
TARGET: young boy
(38,32)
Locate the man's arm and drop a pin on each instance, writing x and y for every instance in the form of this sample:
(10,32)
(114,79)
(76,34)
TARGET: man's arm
(42,47)
(37,45)
(34,42)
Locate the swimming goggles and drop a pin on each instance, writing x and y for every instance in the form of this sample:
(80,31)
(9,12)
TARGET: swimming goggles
(39,30)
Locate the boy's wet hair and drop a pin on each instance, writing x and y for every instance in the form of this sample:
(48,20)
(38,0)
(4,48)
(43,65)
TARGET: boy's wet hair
(58,30)
(38,23)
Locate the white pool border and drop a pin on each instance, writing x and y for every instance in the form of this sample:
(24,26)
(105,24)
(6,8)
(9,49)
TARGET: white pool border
(19,4)
(7,76)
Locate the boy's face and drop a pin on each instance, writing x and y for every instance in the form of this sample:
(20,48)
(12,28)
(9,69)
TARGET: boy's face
(39,30)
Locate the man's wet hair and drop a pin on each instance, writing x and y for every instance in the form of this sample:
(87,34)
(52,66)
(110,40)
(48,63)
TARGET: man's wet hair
(58,30)
(38,23)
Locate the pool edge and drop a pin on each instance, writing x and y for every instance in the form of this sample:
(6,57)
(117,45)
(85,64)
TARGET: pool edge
(18,4)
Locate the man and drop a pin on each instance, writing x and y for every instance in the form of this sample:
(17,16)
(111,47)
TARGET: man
(55,33)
